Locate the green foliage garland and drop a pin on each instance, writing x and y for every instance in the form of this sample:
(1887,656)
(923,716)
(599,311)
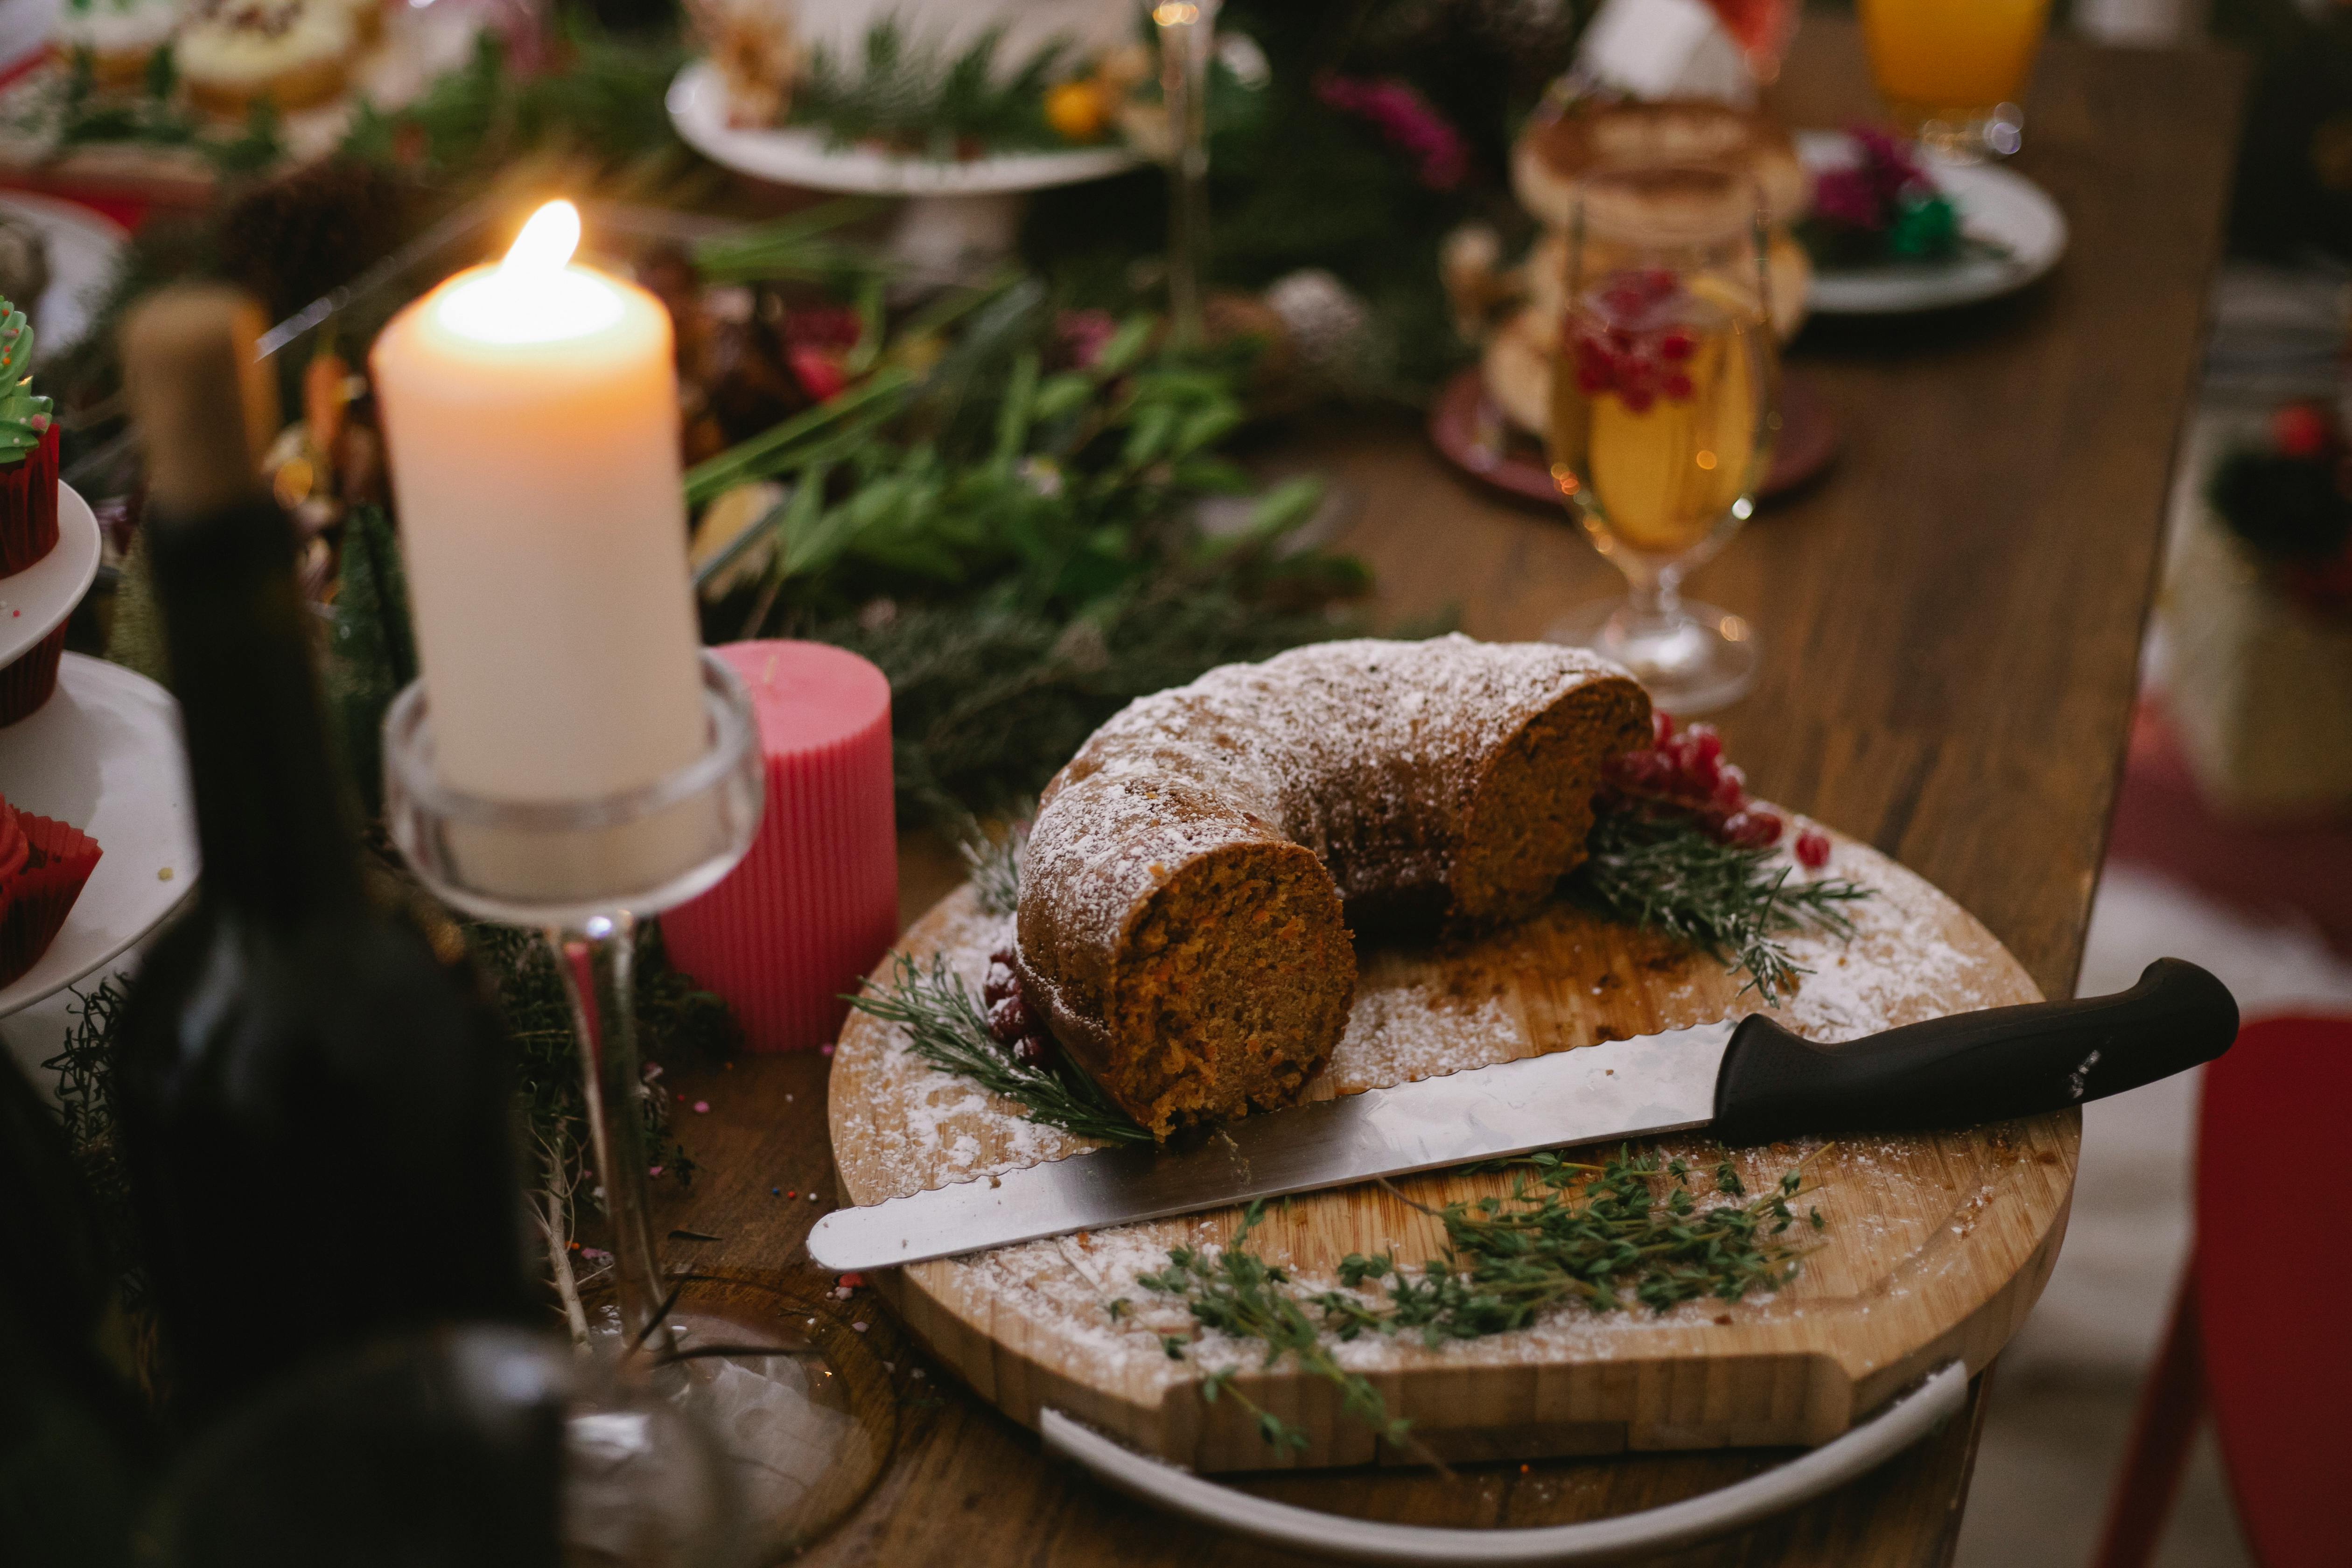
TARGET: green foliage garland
(912,97)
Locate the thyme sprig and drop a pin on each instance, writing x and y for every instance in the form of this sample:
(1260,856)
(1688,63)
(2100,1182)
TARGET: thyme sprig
(1666,874)
(1608,1236)
(945,1028)
(1232,1291)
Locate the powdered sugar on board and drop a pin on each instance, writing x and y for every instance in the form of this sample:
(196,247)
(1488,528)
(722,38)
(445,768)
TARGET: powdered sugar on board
(1559,981)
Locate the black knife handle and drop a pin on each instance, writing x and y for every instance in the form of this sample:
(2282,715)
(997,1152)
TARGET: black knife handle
(1972,1067)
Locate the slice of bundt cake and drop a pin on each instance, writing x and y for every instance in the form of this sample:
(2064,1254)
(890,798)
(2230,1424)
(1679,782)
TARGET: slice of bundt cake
(1190,876)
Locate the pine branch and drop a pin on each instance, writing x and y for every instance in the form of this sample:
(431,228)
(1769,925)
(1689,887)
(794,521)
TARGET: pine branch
(1665,874)
(944,1028)
(914,98)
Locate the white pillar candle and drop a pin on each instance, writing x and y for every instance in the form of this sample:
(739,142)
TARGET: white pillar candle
(530,410)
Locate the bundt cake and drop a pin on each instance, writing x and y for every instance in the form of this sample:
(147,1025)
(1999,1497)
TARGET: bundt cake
(1186,895)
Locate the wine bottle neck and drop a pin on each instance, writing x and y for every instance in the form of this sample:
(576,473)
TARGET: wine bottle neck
(269,809)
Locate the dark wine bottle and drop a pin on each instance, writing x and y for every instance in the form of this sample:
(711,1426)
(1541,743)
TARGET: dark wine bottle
(314,1107)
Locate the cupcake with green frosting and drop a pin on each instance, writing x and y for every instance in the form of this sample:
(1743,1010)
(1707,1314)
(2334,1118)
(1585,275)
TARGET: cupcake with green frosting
(28,452)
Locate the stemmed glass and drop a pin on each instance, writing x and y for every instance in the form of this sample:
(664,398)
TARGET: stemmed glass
(585,873)
(1662,413)
(1187,30)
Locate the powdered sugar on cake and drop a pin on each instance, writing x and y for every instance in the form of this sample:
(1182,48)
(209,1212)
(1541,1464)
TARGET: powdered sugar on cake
(1249,748)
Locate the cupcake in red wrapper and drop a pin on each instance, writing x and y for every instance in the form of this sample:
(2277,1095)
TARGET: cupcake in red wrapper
(28,452)
(29,506)
(43,866)
(26,680)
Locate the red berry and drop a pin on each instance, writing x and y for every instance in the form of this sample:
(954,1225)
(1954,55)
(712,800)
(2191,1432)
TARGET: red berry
(1730,788)
(1752,829)
(2302,430)
(1001,983)
(1654,771)
(1677,386)
(1704,741)
(1009,1019)
(1677,345)
(1005,956)
(819,372)
(1035,1051)
(1658,283)
(1591,378)
(1636,399)
(1813,849)
(1662,727)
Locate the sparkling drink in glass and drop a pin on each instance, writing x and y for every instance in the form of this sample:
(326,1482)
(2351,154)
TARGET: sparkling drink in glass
(1662,413)
(1952,72)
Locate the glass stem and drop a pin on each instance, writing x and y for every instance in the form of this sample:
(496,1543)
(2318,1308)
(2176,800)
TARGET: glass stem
(598,967)
(1185,28)
(1653,599)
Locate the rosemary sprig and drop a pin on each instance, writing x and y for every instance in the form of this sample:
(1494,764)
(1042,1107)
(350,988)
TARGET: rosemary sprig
(1508,1259)
(1666,874)
(993,863)
(944,1027)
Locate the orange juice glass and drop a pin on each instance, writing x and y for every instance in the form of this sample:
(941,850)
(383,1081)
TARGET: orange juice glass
(1952,72)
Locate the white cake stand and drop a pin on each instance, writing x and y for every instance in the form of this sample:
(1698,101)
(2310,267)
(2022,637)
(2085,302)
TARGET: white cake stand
(960,214)
(103,755)
(36,601)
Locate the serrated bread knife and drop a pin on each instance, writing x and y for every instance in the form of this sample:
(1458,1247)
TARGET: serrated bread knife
(1749,1080)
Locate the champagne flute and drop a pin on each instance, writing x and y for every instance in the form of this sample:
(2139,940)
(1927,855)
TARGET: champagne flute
(1662,413)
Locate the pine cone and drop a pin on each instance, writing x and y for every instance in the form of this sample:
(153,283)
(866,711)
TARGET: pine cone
(294,239)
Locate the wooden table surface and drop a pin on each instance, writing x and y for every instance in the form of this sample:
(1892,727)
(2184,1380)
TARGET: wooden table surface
(1950,621)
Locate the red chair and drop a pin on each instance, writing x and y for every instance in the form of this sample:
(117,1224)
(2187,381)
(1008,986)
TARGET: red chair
(2262,1328)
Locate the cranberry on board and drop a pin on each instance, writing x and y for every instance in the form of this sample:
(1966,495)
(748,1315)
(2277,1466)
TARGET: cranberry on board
(1036,1050)
(1000,983)
(1009,1019)
(1813,849)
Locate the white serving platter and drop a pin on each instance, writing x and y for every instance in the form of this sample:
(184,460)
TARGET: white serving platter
(104,754)
(799,156)
(1996,204)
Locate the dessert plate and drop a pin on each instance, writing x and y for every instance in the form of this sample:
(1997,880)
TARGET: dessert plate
(798,156)
(35,600)
(1998,205)
(104,755)
(85,247)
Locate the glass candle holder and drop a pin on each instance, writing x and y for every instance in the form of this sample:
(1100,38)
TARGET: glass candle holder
(584,873)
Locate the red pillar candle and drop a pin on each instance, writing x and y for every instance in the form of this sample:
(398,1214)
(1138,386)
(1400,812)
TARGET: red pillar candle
(815,905)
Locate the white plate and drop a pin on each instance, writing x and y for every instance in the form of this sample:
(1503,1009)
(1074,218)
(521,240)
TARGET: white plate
(85,247)
(104,754)
(697,107)
(36,601)
(1995,205)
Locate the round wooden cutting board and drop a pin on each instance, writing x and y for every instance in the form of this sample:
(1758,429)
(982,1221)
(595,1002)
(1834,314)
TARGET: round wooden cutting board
(1934,1246)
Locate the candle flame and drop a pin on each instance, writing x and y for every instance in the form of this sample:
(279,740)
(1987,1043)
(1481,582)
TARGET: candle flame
(536,295)
(546,242)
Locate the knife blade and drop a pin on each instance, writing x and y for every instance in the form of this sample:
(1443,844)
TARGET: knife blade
(1751,1079)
